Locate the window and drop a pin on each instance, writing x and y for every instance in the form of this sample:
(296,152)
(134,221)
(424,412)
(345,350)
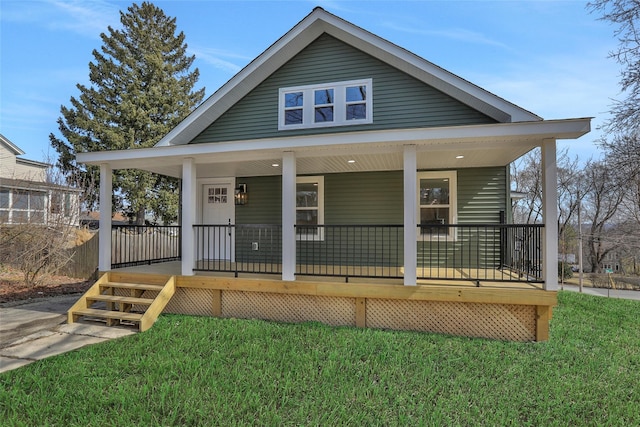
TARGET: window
(309,207)
(21,206)
(217,195)
(437,203)
(330,104)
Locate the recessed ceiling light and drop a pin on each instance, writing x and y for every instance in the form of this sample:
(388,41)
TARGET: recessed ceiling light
(275,165)
(351,161)
(459,157)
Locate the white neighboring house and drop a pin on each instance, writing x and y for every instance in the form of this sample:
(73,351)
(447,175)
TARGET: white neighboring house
(27,197)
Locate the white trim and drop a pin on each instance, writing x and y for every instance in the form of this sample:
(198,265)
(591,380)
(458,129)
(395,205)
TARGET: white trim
(319,236)
(104,232)
(490,135)
(304,33)
(189,197)
(339,105)
(410,221)
(550,215)
(288,216)
(452,177)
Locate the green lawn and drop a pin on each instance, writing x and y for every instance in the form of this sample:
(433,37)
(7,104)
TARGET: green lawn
(205,371)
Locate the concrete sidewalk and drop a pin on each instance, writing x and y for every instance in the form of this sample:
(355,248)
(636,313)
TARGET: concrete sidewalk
(37,330)
(603,292)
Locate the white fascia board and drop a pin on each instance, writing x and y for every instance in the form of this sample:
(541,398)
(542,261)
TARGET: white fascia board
(301,36)
(242,83)
(418,67)
(13,147)
(34,163)
(548,129)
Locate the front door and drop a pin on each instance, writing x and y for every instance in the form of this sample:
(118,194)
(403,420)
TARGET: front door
(218,213)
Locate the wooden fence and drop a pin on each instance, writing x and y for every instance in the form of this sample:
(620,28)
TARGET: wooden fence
(84,259)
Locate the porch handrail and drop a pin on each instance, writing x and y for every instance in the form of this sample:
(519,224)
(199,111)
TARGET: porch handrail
(480,252)
(133,245)
(350,250)
(467,252)
(238,248)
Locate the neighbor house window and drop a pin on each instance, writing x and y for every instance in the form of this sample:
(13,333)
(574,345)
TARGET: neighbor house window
(22,206)
(330,104)
(437,203)
(309,207)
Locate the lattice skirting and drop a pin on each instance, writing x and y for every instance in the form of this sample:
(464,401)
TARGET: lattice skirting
(335,311)
(497,321)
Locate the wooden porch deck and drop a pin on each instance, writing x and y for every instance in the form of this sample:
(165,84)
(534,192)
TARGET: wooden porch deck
(461,276)
(496,310)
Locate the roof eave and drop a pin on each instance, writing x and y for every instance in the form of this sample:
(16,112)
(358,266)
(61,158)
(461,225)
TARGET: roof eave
(537,130)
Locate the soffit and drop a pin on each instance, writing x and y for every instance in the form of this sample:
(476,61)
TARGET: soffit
(437,148)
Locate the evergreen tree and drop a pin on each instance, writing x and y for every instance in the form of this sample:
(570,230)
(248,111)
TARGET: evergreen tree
(141,88)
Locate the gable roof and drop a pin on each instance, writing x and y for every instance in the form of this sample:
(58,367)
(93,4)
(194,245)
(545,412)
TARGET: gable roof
(17,151)
(304,33)
(11,146)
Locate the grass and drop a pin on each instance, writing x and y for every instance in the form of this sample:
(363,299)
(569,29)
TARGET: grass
(205,371)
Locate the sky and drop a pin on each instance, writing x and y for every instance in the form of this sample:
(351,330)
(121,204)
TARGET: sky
(549,57)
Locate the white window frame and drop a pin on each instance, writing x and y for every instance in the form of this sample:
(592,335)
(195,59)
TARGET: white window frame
(339,104)
(452,176)
(30,212)
(319,234)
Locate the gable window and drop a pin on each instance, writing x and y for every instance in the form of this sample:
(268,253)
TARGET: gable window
(330,104)
(309,207)
(437,192)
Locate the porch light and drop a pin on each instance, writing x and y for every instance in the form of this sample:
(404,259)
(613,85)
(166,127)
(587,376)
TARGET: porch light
(240,194)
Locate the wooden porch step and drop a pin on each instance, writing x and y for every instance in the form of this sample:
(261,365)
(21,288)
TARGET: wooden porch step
(104,314)
(134,286)
(103,291)
(121,299)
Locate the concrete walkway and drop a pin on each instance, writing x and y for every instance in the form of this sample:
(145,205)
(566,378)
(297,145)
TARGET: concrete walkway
(603,292)
(37,330)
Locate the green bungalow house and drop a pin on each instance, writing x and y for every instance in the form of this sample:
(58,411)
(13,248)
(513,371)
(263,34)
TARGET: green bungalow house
(343,179)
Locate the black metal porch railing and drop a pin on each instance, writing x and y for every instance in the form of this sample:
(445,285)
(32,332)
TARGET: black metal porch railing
(238,248)
(133,245)
(470,252)
(480,252)
(373,251)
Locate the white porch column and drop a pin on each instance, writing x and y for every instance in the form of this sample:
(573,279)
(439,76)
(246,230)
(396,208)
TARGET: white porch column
(104,233)
(288,216)
(189,195)
(410,221)
(550,215)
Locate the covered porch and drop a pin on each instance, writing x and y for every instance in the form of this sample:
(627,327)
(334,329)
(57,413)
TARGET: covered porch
(410,274)
(356,242)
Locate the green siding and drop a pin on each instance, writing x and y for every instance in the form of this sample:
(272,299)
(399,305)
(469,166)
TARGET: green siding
(399,100)
(482,195)
(377,197)
(363,198)
(265,201)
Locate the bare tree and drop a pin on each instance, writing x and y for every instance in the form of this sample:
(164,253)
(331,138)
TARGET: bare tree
(39,223)
(621,140)
(602,203)
(526,175)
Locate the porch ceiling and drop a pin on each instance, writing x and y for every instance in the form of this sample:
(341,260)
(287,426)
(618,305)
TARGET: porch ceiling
(437,148)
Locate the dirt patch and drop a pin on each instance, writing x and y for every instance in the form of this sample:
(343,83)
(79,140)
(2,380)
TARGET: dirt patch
(13,288)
